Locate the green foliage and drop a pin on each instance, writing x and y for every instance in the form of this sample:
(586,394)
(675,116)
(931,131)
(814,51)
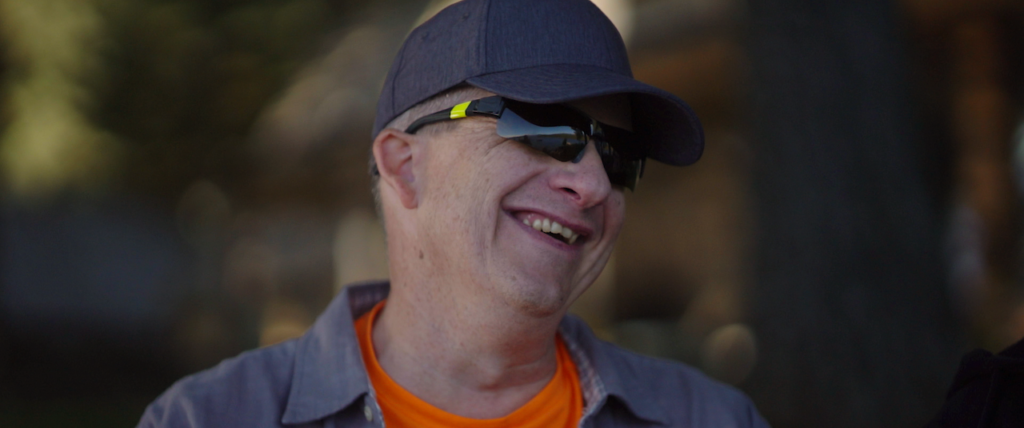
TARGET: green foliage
(166,90)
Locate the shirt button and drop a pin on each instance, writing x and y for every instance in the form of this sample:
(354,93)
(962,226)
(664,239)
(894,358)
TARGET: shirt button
(368,413)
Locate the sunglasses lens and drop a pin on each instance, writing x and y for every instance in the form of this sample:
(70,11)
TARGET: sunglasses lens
(622,171)
(627,175)
(564,148)
(560,142)
(562,133)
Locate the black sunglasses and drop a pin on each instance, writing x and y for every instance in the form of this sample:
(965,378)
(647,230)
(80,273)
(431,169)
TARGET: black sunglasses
(559,131)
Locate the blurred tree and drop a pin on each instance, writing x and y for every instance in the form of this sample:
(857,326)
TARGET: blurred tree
(146,96)
(190,77)
(135,102)
(50,142)
(850,306)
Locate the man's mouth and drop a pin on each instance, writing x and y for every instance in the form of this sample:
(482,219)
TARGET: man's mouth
(551,228)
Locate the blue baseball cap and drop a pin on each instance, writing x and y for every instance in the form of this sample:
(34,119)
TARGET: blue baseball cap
(536,51)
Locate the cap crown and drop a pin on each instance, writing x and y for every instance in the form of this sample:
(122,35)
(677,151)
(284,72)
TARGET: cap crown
(477,37)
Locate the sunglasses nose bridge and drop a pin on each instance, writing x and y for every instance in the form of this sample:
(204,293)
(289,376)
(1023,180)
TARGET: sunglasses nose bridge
(583,150)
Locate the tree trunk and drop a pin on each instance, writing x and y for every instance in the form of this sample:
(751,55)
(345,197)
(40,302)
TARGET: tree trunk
(850,307)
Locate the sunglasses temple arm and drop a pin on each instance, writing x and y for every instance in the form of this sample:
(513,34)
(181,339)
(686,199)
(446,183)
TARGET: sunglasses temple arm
(427,120)
(490,106)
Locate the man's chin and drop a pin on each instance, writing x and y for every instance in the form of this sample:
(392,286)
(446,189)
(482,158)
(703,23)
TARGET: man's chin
(538,300)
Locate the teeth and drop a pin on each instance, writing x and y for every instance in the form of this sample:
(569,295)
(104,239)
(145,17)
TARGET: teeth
(553,227)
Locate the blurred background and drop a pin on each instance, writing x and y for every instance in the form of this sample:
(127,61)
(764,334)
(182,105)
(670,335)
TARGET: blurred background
(182,180)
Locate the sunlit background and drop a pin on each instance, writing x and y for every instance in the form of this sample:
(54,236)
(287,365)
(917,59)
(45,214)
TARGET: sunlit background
(182,180)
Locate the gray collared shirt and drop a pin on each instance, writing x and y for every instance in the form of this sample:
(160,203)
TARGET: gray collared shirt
(319,380)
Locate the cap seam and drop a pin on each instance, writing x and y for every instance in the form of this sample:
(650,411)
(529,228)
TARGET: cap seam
(483,37)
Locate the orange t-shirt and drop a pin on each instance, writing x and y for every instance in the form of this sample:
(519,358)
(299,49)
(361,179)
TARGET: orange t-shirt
(559,404)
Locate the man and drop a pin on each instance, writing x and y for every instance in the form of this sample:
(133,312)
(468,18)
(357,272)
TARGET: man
(506,135)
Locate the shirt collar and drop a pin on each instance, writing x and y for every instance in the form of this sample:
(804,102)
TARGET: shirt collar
(604,373)
(329,374)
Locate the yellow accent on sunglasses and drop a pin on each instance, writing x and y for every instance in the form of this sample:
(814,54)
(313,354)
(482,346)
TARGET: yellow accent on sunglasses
(459,111)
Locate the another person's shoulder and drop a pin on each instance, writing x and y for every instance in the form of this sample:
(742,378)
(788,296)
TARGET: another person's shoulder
(249,390)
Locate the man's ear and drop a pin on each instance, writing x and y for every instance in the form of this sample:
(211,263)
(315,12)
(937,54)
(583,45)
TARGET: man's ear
(396,152)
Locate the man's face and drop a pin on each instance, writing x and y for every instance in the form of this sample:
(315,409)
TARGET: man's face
(482,194)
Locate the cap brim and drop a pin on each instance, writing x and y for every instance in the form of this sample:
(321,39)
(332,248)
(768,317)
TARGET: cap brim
(671,127)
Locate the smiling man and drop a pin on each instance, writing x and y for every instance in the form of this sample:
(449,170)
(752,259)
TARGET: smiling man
(507,134)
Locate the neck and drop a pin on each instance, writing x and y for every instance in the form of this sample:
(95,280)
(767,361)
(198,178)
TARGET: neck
(449,339)
(466,361)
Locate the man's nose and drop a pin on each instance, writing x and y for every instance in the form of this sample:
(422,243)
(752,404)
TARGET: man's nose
(585,183)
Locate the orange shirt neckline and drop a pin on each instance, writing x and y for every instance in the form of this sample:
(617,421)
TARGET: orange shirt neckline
(559,404)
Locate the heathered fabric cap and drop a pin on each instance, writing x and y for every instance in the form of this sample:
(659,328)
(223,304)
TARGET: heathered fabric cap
(537,51)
